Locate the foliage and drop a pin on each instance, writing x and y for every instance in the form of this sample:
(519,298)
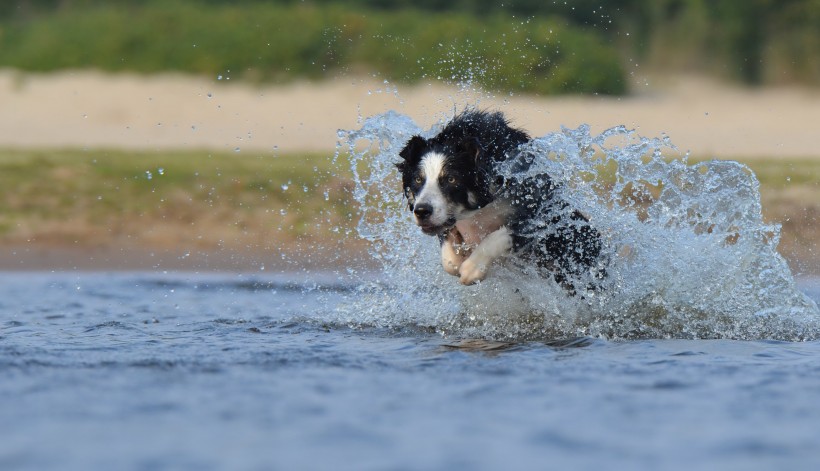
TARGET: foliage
(501,45)
(261,41)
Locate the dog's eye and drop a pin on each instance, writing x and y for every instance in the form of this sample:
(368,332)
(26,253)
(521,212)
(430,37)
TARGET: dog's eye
(419,179)
(451,180)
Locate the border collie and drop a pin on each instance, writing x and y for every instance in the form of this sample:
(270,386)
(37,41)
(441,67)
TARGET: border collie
(455,189)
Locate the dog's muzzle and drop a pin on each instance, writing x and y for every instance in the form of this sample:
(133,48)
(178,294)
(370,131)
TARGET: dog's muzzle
(424,213)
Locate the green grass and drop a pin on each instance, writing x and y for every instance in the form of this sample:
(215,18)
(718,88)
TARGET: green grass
(580,46)
(275,42)
(90,197)
(789,173)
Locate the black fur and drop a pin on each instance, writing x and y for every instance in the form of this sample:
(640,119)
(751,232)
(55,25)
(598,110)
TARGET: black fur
(544,229)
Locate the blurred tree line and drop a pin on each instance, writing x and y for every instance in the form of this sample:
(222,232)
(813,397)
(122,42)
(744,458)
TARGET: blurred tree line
(577,46)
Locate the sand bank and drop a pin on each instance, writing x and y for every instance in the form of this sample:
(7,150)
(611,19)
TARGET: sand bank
(94,110)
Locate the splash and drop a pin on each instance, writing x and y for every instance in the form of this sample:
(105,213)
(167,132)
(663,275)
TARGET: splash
(690,254)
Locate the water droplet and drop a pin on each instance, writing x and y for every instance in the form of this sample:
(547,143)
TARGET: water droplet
(148,175)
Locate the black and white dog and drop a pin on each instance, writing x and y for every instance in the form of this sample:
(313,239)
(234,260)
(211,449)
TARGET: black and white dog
(454,187)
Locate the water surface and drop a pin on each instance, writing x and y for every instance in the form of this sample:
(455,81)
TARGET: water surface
(152,371)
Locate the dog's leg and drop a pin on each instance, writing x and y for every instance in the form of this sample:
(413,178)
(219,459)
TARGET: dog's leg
(495,245)
(451,259)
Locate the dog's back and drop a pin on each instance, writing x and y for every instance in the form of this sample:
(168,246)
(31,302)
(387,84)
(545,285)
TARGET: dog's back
(548,231)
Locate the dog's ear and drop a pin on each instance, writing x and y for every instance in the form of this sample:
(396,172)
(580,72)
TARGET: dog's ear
(472,147)
(412,152)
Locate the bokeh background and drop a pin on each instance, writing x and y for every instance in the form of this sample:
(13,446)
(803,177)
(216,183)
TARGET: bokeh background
(182,134)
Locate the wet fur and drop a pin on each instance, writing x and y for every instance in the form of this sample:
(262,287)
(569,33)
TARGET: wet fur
(480,217)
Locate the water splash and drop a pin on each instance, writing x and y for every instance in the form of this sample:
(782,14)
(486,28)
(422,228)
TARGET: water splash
(690,254)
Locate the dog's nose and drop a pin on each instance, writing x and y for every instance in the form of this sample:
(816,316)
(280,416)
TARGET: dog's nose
(423,211)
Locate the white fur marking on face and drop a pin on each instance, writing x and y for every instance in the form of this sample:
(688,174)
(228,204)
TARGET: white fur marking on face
(432,165)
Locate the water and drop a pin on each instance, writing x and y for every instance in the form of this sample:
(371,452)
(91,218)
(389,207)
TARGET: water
(146,371)
(689,253)
(701,350)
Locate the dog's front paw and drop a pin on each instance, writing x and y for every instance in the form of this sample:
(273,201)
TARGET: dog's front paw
(472,270)
(451,266)
(475,268)
(451,258)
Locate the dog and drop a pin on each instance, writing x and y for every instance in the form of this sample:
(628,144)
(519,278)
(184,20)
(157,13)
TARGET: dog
(455,190)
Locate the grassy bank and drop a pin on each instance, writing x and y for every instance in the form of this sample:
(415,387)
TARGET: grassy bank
(188,200)
(203,201)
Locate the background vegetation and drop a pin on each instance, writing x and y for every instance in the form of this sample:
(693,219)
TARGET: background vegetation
(577,46)
(195,200)
(276,42)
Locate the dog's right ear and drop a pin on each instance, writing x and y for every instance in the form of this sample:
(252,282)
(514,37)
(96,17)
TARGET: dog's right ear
(412,152)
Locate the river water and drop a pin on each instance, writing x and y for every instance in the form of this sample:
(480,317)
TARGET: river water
(150,371)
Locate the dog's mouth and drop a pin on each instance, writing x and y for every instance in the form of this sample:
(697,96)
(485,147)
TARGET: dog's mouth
(429,229)
(434,229)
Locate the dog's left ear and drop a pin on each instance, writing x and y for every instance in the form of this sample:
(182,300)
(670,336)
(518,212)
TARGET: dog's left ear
(412,152)
(472,147)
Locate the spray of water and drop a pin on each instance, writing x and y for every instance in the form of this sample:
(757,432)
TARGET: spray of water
(690,255)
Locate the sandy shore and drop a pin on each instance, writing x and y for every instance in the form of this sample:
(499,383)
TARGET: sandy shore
(94,110)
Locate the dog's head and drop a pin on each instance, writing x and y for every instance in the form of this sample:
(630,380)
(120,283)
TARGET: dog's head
(443,181)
